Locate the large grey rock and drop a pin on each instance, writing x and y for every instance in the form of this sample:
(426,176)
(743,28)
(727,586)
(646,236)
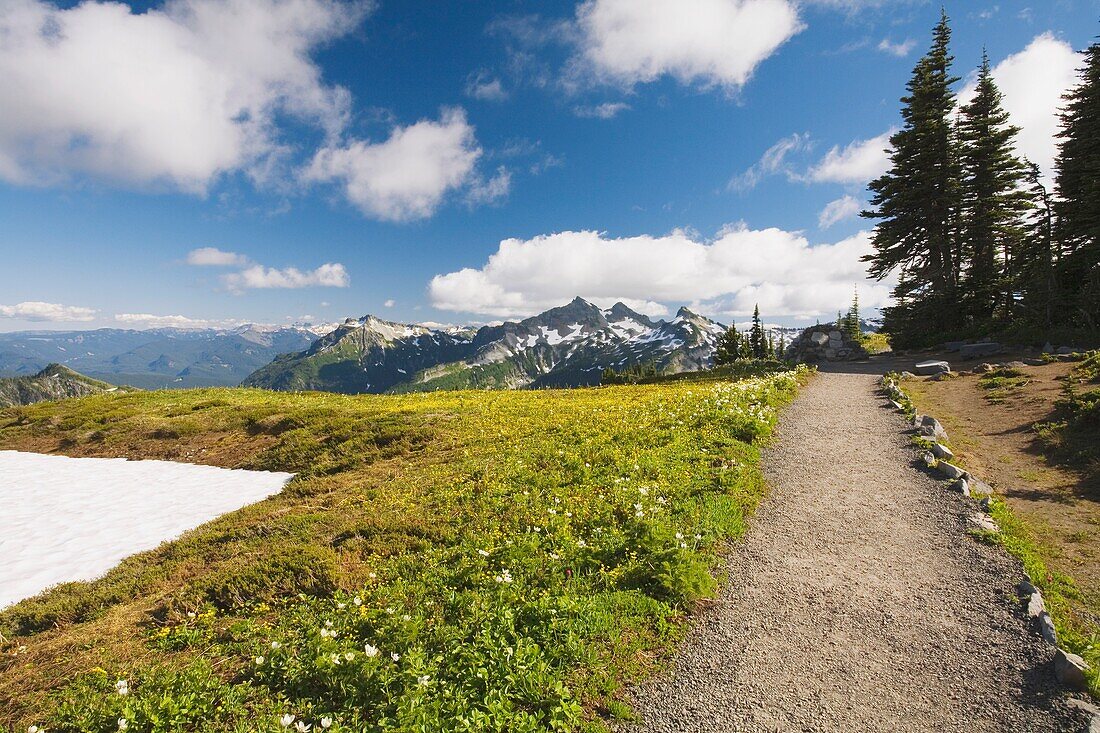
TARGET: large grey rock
(982,522)
(953,345)
(979,487)
(1070,669)
(962,486)
(1046,628)
(1026,587)
(836,336)
(1035,605)
(985,348)
(928,368)
(942,451)
(950,470)
(930,428)
(819,338)
(928,458)
(1048,348)
(1065,350)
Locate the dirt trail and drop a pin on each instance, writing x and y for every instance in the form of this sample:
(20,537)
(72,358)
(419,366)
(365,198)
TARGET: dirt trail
(857,602)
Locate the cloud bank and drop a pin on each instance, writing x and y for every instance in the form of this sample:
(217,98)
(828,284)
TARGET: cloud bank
(173,96)
(33,310)
(253,276)
(725,276)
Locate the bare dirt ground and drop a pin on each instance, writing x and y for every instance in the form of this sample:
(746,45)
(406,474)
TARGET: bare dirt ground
(857,602)
(996,440)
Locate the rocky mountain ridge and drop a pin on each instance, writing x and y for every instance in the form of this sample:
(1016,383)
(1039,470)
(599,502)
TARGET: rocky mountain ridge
(566,346)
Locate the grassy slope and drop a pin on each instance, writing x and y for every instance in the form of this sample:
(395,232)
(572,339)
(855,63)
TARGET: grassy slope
(606,507)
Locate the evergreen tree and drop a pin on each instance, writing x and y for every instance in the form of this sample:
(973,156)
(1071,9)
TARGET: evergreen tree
(758,345)
(771,345)
(994,200)
(850,326)
(917,204)
(1077,207)
(1033,271)
(781,351)
(728,349)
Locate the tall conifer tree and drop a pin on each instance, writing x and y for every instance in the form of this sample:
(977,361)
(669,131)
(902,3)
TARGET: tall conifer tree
(728,349)
(1078,203)
(994,200)
(1034,270)
(758,343)
(917,203)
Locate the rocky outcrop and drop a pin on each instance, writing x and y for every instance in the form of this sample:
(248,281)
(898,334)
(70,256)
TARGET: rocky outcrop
(55,382)
(824,343)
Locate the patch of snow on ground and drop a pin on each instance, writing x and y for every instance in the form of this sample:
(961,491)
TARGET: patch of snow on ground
(65,519)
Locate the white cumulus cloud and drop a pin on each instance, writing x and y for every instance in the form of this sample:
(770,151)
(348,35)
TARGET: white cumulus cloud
(728,275)
(329,275)
(711,42)
(171,96)
(1033,82)
(837,211)
(33,310)
(859,162)
(214,257)
(406,176)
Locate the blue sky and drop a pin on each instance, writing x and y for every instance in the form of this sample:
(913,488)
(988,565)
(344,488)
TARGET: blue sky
(209,162)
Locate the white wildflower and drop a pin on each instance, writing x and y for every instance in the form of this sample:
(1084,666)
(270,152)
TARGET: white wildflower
(326,722)
(395,656)
(286,720)
(301,726)
(123,724)
(370,650)
(259,660)
(122,687)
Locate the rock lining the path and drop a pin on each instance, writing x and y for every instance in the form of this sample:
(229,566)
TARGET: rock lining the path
(1069,668)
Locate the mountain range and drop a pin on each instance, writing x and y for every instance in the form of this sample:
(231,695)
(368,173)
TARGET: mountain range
(566,346)
(156,358)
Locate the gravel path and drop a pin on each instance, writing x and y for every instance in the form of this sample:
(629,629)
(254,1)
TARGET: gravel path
(857,602)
